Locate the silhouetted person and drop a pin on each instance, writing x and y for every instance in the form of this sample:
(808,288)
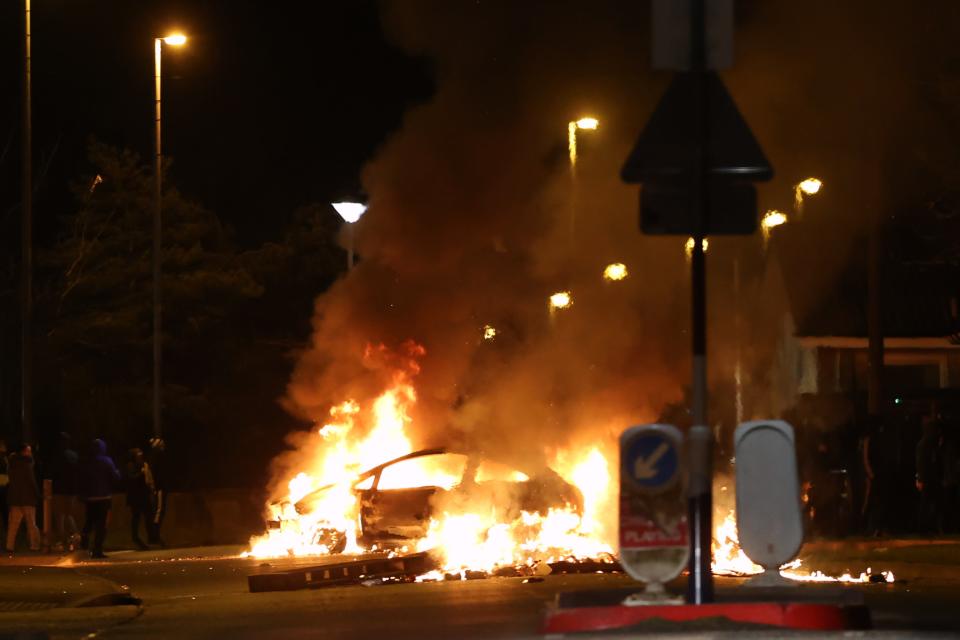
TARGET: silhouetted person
(158,466)
(950,449)
(97,478)
(140,496)
(880,463)
(22,496)
(63,474)
(929,478)
(4,483)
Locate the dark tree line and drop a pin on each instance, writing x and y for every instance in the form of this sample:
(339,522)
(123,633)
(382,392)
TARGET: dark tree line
(233,319)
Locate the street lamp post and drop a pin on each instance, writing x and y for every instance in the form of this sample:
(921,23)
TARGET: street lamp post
(26,245)
(587,124)
(809,187)
(175,40)
(350,212)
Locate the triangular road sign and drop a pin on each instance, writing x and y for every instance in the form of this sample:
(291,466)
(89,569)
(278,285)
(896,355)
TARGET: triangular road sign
(669,146)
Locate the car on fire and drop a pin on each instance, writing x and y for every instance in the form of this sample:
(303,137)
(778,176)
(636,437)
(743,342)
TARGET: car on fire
(392,513)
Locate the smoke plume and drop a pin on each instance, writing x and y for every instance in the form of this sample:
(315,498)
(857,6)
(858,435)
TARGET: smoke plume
(471,203)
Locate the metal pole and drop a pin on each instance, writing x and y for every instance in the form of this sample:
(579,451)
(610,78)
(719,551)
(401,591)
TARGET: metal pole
(26,246)
(47,514)
(874,318)
(738,365)
(157,244)
(350,246)
(700,440)
(572,148)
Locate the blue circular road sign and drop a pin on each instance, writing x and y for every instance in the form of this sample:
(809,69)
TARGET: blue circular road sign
(651,460)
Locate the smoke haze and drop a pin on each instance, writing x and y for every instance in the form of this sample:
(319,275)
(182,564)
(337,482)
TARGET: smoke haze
(471,201)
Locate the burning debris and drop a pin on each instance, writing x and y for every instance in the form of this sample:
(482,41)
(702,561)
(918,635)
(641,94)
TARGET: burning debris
(367,490)
(730,560)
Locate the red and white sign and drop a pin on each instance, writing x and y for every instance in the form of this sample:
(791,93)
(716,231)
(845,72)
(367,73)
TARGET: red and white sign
(637,531)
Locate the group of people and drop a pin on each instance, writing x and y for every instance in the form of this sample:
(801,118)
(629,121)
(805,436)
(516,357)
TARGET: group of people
(896,473)
(912,481)
(89,479)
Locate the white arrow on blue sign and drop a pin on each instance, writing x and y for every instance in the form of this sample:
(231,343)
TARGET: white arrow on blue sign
(651,458)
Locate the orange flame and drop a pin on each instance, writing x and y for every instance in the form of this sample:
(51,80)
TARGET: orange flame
(466,531)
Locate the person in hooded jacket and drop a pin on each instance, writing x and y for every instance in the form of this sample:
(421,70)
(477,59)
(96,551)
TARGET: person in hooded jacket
(63,473)
(98,477)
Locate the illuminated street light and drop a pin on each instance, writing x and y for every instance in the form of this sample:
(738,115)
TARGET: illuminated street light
(589,124)
(688,247)
(615,271)
(489,332)
(771,219)
(810,186)
(561,300)
(350,212)
(175,40)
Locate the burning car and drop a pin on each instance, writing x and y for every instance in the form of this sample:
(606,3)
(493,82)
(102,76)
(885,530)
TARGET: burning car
(399,498)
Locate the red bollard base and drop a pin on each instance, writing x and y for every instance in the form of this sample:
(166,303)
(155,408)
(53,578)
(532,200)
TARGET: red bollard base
(792,615)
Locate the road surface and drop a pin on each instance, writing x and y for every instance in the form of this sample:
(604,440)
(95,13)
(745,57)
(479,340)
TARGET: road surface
(208,598)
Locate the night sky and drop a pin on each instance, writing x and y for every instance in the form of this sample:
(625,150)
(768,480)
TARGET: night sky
(266,109)
(452,115)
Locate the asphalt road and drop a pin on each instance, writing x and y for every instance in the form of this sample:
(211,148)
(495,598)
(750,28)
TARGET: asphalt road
(208,598)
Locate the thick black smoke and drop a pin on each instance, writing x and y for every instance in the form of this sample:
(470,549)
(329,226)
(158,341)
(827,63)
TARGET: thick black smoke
(470,205)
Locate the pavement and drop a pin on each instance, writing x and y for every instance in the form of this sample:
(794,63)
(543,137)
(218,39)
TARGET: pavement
(201,592)
(910,559)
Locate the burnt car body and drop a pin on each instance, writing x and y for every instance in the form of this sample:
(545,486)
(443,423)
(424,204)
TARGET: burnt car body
(394,516)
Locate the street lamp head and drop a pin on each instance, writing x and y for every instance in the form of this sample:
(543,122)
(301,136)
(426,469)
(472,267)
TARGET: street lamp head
(587,123)
(175,39)
(810,186)
(773,218)
(560,300)
(615,271)
(350,211)
(690,244)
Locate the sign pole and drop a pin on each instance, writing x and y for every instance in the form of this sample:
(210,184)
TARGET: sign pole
(694,158)
(700,442)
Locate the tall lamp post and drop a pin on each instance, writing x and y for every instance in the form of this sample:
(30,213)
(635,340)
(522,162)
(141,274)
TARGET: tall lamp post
(26,246)
(808,187)
(586,124)
(174,40)
(350,212)
(772,219)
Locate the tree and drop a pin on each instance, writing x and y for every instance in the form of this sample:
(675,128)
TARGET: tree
(95,307)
